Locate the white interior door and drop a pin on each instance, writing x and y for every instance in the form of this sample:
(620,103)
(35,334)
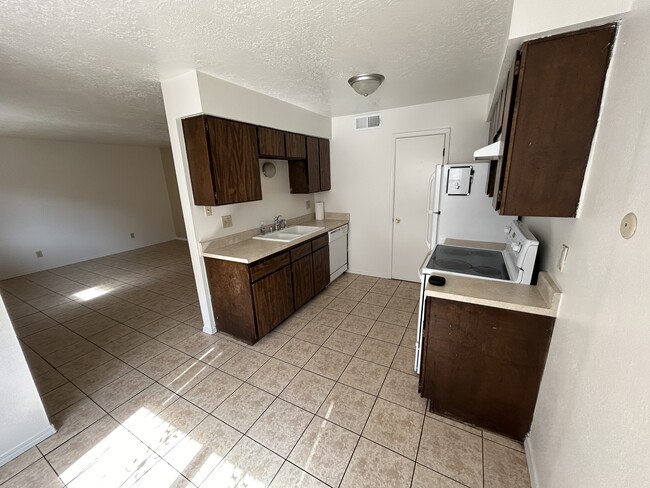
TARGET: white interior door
(416,158)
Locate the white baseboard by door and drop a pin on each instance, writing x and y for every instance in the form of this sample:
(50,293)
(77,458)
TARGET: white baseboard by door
(27,444)
(531,464)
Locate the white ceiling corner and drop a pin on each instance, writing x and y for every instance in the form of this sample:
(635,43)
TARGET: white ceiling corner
(90,70)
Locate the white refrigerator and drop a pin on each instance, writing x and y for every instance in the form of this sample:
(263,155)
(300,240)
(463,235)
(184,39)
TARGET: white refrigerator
(459,208)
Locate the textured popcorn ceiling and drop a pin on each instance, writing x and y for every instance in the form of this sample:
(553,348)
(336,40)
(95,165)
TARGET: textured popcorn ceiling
(90,70)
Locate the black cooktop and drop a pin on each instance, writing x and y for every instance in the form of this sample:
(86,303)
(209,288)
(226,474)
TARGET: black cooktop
(468,261)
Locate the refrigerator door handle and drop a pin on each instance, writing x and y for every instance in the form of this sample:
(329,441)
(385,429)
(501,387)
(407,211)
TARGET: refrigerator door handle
(430,211)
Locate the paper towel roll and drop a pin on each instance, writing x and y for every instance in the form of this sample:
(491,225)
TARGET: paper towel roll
(320,210)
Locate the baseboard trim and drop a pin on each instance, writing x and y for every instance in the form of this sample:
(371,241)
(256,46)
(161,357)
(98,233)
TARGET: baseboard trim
(366,273)
(27,444)
(532,471)
(181,239)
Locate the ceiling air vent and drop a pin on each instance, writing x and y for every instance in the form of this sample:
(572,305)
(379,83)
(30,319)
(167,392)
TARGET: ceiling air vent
(368,121)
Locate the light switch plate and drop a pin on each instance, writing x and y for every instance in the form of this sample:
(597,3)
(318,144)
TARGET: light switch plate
(226,221)
(208,211)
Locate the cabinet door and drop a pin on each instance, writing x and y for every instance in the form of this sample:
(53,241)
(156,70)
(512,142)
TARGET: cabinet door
(296,145)
(233,148)
(484,365)
(324,164)
(195,133)
(273,300)
(313,166)
(271,143)
(321,263)
(303,281)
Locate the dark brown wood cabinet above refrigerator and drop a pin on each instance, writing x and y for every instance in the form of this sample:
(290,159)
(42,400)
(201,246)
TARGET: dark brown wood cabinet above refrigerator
(546,114)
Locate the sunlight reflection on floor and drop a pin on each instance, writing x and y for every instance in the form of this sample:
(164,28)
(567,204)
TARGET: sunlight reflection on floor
(90,293)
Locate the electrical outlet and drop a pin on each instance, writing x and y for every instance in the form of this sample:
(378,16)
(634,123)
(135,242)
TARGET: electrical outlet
(563,254)
(208,211)
(132,235)
(308,204)
(39,254)
(226,221)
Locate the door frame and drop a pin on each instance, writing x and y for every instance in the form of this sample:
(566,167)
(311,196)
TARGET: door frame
(444,131)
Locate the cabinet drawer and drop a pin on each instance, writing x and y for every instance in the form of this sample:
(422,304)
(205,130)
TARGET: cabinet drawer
(268,266)
(300,251)
(319,242)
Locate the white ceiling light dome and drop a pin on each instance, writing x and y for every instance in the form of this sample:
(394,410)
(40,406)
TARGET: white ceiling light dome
(366,84)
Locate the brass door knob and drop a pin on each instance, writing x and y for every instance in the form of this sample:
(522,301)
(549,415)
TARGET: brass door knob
(397,220)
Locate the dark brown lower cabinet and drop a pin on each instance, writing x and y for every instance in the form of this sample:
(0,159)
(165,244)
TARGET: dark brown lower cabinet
(303,281)
(321,262)
(273,300)
(483,365)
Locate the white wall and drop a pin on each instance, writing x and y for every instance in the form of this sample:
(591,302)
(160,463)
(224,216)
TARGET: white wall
(23,421)
(196,92)
(172,190)
(534,16)
(592,422)
(362,166)
(77,201)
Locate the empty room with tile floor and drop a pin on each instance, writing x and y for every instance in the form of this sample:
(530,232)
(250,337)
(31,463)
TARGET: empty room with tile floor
(140,396)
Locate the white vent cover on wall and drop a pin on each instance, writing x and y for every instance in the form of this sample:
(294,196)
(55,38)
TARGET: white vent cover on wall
(371,121)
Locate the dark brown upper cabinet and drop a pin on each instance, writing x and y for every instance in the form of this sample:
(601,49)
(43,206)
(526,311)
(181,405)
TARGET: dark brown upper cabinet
(296,145)
(271,143)
(223,160)
(313,174)
(553,111)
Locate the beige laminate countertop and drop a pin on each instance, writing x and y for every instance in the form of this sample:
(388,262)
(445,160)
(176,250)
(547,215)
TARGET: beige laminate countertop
(251,250)
(541,299)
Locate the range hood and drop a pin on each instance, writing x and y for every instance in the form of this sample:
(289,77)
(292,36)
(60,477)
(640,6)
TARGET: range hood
(493,151)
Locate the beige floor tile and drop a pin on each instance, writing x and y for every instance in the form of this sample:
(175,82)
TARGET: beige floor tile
(395,317)
(71,421)
(183,378)
(453,452)
(504,467)
(214,389)
(409,338)
(367,311)
(291,476)
(324,450)
(142,320)
(395,427)
(329,318)
(48,301)
(384,288)
(402,304)
(402,388)
(296,352)
(143,353)
(387,332)
(160,474)
(176,334)
(321,300)
(203,449)
(67,311)
(160,326)
(347,407)
(375,299)
(186,313)
(308,311)
(291,326)
(244,407)
(360,285)
(244,364)
(122,311)
(274,376)
(404,361)
(376,351)
(427,478)
(61,397)
(163,305)
(504,441)
(196,343)
(315,333)
(119,391)
(101,376)
(345,342)
(271,343)
(109,335)
(162,364)
(413,322)
(328,363)
(352,294)
(280,427)
(70,353)
(218,352)
(248,464)
(342,305)
(49,381)
(364,375)
(373,465)
(39,474)
(149,402)
(356,325)
(17,464)
(460,425)
(307,390)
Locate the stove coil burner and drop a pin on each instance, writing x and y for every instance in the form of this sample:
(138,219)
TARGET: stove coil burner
(453,264)
(487,271)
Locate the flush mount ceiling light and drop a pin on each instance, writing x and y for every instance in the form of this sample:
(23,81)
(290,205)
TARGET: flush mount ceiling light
(366,84)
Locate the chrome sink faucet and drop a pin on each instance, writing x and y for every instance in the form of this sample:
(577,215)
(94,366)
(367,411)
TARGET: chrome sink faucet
(279,223)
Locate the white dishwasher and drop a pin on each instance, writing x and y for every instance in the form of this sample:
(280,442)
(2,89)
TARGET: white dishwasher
(338,251)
